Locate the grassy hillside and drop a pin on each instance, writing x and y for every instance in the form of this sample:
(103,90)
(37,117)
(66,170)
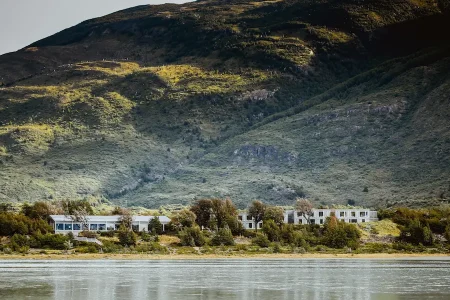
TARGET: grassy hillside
(333,100)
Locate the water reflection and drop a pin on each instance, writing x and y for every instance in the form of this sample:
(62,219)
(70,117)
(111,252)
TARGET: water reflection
(226,279)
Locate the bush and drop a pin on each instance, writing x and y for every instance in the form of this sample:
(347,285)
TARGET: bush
(191,236)
(155,226)
(88,234)
(50,241)
(11,223)
(127,237)
(416,233)
(339,234)
(223,237)
(109,233)
(111,247)
(249,233)
(153,247)
(19,241)
(447,233)
(272,230)
(87,249)
(261,240)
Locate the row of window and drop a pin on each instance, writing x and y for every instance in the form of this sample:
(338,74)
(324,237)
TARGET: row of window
(92,227)
(341,214)
(250,225)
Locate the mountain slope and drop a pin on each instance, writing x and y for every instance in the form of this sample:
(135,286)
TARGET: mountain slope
(333,100)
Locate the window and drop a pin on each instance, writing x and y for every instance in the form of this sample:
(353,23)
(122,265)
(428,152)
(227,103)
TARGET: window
(353,221)
(77,226)
(300,221)
(59,226)
(240,218)
(249,218)
(341,214)
(67,226)
(260,225)
(353,214)
(135,228)
(363,220)
(312,221)
(250,225)
(93,227)
(320,213)
(102,227)
(299,214)
(362,214)
(321,221)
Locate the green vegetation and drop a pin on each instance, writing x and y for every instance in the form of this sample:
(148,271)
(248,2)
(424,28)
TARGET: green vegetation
(401,230)
(336,101)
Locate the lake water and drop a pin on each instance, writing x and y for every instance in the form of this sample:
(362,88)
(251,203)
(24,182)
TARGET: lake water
(226,279)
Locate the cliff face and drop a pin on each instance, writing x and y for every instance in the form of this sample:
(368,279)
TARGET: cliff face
(333,100)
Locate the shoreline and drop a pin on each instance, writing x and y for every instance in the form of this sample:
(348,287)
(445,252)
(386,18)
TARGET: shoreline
(216,256)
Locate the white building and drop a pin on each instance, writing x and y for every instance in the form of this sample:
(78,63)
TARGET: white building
(356,215)
(248,221)
(65,224)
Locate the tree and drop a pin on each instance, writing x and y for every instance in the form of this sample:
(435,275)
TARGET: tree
(256,211)
(126,236)
(261,240)
(274,213)
(340,234)
(272,230)
(223,237)
(304,208)
(155,226)
(191,236)
(126,218)
(38,210)
(184,218)
(77,210)
(203,211)
(6,207)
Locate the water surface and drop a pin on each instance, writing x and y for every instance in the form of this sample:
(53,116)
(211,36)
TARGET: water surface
(227,279)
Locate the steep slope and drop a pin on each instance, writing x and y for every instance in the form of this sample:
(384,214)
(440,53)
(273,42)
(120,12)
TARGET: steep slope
(269,99)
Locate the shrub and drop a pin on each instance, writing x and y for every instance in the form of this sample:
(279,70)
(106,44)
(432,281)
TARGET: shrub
(127,237)
(88,234)
(153,247)
(155,226)
(222,237)
(19,241)
(272,230)
(235,225)
(50,241)
(447,233)
(87,249)
(111,247)
(416,233)
(109,233)
(340,234)
(261,240)
(249,233)
(191,236)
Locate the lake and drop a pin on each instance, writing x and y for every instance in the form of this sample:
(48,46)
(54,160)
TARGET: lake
(227,279)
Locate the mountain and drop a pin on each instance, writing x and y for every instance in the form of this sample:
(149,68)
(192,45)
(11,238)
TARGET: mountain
(339,101)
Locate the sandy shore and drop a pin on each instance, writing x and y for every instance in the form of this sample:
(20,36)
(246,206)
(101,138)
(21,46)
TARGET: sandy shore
(214,256)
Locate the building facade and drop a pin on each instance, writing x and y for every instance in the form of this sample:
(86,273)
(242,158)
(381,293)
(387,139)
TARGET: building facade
(65,224)
(248,222)
(318,216)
